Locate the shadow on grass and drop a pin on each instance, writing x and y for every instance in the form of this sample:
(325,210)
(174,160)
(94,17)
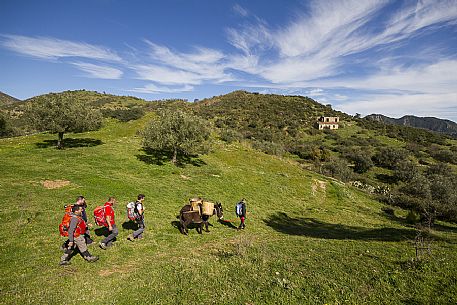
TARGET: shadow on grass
(130,225)
(386,178)
(444,228)
(160,157)
(102,231)
(71,143)
(311,227)
(227,224)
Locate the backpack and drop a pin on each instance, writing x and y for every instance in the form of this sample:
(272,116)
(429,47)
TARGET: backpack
(65,224)
(99,216)
(132,212)
(239,209)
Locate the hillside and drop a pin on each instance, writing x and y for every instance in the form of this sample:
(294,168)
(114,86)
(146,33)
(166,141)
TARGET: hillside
(429,123)
(6,99)
(309,239)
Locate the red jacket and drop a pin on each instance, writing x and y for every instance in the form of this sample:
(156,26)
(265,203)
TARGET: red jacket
(109,211)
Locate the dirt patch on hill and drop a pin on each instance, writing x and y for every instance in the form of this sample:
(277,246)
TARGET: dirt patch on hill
(318,185)
(54,184)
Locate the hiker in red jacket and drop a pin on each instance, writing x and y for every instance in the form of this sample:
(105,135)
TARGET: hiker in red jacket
(76,230)
(110,224)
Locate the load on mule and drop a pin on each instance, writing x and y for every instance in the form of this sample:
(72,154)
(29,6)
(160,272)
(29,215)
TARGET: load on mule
(198,211)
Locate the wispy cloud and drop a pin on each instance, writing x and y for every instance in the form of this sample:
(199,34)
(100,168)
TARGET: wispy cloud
(171,67)
(151,88)
(240,10)
(316,44)
(97,71)
(52,48)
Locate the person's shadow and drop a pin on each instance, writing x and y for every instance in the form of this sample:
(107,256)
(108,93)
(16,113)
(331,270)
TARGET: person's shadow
(227,224)
(130,225)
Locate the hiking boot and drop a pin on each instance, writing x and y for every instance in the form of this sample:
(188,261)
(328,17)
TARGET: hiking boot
(64,263)
(130,237)
(103,246)
(91,259)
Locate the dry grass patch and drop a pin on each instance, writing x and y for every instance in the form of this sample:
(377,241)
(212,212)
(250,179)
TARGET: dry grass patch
(54,184)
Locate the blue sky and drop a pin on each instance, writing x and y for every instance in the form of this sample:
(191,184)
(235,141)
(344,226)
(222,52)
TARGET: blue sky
(389,57)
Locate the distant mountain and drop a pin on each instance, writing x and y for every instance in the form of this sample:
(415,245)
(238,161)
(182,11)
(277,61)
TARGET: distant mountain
(429,123)
(6,99)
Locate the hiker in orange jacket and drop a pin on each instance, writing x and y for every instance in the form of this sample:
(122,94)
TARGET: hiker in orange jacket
(76,231)
(110,224)
(81,201)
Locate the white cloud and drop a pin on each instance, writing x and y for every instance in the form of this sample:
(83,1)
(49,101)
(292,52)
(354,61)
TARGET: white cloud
(240,10)
(169,67)
(315,44)
(164,75)
(52,48)
(151,88)
(98,71)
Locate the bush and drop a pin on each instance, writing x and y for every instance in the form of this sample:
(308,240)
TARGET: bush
(337,168)
(388,157)
(124,115)
(405,171)
(230,135)
(6,130)
(270,148)
(362,160)
(413,217)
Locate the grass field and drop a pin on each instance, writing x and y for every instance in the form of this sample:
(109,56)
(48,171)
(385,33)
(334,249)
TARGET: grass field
(309,239)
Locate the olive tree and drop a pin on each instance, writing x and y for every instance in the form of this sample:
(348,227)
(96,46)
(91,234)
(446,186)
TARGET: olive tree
(61,113)
(176,132)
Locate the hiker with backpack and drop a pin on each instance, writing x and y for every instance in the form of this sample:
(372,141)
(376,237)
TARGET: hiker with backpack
(138,217)
(80,201)
(240,210)
(109,223)
(74,226)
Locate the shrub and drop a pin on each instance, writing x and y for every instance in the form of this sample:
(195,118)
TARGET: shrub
(405,171)
(270,148)
(337,168)
(230,135)
(388,157)
(124,115)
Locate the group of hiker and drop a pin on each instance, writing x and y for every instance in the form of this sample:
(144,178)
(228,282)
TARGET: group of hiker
(76,227)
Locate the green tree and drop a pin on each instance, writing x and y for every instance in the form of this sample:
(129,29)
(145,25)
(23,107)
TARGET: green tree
(60,113)
(5,125)
(176,132)
(388,157)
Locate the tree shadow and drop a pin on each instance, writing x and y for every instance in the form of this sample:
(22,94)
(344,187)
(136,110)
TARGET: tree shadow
(311,227)
(227,224)
(389,179)
(444,228)
(71,143)
(160,157)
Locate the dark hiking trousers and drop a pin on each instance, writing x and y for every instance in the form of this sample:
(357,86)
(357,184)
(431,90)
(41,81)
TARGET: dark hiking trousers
(140,230)
(111,236)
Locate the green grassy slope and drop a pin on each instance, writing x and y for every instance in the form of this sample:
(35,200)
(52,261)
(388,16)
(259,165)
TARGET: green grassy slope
(309,240)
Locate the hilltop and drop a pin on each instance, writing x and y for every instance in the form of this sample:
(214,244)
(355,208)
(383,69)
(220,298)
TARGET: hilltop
(429,123)
(6,99)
